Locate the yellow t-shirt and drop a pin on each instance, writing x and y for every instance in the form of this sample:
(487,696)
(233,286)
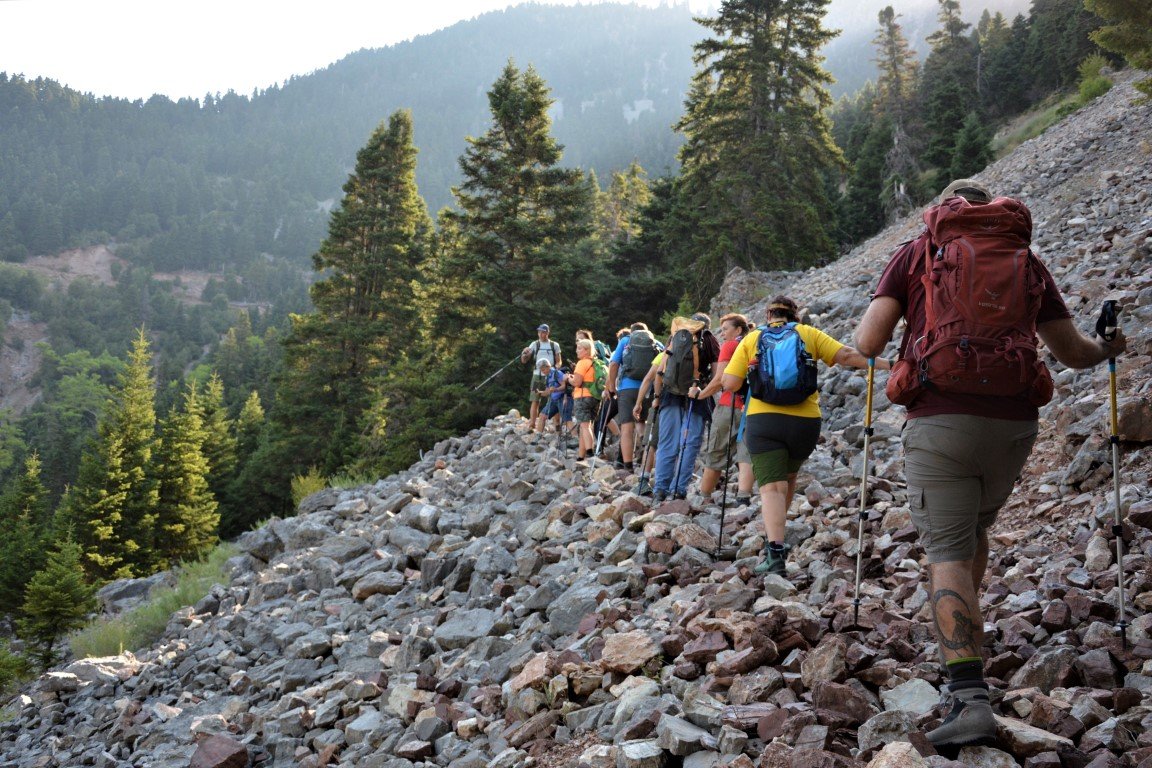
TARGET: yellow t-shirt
(819,344)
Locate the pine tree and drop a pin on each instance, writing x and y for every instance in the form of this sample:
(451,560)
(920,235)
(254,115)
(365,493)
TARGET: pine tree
(895,102)
(757,142)
(864,213)
(1060,37)
(337,356)
(220,443)
(973,148)
(622,204)
(187,518)
(58,599)
(112,507)
(1128,32)
(948,88)
(896,62)
(512,245)
(24,518)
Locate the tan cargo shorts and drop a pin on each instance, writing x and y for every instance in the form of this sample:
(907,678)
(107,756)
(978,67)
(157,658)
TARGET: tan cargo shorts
(725,425)
(960,471)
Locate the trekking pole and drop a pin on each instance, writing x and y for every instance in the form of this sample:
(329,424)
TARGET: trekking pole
(683,444)
(727,469)
(1106,328)
(863,492)
(496,374)
(601,427)
(648,429)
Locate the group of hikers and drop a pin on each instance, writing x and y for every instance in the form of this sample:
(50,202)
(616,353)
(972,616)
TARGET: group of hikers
(973,297)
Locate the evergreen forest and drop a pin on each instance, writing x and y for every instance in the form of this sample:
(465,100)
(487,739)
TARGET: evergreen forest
(164,424)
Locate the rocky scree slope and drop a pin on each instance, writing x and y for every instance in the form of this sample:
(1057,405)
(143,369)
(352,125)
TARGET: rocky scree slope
(499,604)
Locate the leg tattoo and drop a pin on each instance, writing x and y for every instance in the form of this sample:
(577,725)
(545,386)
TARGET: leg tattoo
(962,638)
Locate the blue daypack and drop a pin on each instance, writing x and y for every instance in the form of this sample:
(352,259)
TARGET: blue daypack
(784,373)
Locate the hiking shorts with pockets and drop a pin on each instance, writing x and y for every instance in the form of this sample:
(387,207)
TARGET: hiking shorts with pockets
(717,448)
(960,470)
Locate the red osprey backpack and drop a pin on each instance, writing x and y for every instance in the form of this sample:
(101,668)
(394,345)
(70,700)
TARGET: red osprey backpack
(983,288)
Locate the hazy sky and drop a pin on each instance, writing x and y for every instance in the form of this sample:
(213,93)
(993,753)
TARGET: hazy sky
(135,48)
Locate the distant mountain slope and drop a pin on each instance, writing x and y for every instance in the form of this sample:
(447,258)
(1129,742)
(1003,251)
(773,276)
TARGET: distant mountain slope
(213,184)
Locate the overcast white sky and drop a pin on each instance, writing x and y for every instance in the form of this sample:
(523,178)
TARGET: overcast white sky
(135,48)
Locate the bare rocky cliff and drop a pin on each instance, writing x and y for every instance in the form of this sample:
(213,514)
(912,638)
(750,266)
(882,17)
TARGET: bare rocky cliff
(499,605)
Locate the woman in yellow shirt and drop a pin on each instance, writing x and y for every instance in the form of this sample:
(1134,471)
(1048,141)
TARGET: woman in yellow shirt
(781,437)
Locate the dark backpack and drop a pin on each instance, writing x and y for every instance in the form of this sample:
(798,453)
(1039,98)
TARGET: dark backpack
(638,355)
(682,366)
(784,373)
(982,293)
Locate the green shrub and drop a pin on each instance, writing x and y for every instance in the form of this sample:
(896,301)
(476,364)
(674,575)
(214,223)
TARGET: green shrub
(14,669)
(347,480)
(1093,88)
(1093,83)
(307,484)
(144,624)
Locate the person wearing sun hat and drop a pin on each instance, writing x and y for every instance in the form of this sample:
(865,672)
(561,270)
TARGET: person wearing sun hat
(541,349)
(963,450)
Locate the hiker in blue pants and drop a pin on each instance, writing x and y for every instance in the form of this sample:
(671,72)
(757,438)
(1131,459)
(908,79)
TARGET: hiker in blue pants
(682,415)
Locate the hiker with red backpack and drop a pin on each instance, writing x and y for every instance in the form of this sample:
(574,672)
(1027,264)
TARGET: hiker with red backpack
(974,297)
(782,417)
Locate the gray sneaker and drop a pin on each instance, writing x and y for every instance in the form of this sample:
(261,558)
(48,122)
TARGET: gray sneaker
(969,723)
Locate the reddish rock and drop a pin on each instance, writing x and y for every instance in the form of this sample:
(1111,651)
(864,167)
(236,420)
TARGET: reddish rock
(846,700)
(414,750)
(661,546)
(1057,616)
(743,662)
(706,647)
(219,752)
(772,724)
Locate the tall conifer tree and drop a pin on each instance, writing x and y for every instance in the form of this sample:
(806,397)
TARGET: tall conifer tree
(112,507)
(521,214)
(337,356)
(24,520)
(895,105)
(58,599)
(220,442)
(758,144)
(948,88)
(187,517)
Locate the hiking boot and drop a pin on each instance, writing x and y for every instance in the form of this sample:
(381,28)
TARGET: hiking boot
(644,488)
(775,561)
(969,723)
(658,497)
(743,501)
(679,496)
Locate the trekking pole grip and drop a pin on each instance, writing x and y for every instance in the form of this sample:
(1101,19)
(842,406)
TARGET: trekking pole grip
(1108,322)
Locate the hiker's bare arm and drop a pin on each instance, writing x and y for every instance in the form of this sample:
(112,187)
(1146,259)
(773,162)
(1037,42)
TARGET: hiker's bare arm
(876,327)
(732,382)
(849,357)
(613,374)
(1076,350)
(713,386)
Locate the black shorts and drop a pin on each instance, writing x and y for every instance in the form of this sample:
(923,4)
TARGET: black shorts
(779,443)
